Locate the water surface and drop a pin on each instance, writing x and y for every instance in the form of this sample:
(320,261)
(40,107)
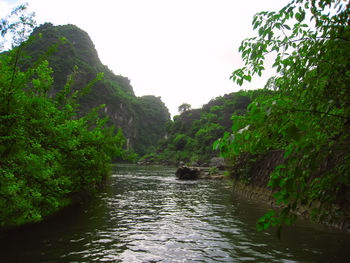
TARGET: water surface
(146,215)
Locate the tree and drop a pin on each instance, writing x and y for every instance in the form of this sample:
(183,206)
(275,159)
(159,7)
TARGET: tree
(48,154)
(184,107)
(307,115)
(19,24)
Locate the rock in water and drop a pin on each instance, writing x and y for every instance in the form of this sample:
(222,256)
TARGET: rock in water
(187,173)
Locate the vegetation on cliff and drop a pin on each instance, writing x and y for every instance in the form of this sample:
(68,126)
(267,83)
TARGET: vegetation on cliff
(191,134)
(48,154)
(67,47)
(307,113)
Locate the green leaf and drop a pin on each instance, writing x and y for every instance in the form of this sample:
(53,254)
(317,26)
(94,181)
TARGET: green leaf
(286,26)
(248,78)
(261,31)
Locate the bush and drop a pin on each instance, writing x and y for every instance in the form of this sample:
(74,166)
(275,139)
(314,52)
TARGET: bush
(47,154)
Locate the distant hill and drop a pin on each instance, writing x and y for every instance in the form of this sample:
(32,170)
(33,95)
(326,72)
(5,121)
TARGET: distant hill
(141,118)
(190,136)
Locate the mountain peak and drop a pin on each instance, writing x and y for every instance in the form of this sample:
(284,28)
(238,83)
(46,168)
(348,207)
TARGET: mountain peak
(142,119)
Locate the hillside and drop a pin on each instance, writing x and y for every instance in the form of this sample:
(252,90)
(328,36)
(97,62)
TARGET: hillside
(142,119)
(190,136)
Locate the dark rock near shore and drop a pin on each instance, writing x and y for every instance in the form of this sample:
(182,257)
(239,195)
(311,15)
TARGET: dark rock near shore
(187,173)
(194,173)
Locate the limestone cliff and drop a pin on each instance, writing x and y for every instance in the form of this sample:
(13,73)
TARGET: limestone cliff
(141,118)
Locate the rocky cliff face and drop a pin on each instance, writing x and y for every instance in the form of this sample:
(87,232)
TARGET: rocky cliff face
(141,118)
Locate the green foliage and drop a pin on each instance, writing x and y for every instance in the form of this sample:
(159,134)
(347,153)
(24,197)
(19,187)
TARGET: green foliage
(18,24)
(191,134)
(70,50)
(184,107)
(213,170)
(151,117)
(180,141)
(48,155)
(307,115)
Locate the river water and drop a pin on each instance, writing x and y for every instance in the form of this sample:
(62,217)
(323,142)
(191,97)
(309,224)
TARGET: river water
(146,215)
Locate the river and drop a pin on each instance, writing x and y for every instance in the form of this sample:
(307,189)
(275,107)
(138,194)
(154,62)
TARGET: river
(146,215)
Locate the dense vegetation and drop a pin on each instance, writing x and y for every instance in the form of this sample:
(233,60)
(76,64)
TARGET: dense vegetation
(48,155)
(307,113)
(70,50)
(191,134)
(54,146)
(152,116)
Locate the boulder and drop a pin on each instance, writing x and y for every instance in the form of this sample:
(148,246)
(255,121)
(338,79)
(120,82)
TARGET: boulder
(181,163)
(187,173)
(195,164)
(218,162)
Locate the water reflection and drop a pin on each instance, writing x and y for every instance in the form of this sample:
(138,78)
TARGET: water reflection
(146,215)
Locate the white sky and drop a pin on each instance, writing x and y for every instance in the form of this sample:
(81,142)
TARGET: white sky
(180,50)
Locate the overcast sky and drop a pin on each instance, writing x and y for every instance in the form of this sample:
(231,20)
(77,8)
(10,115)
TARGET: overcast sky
(180,50)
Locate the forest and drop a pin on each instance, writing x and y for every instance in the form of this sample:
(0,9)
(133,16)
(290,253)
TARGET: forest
(58,141)
(190,136)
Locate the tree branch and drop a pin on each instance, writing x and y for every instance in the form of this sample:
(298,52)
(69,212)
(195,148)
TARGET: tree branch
(320,112)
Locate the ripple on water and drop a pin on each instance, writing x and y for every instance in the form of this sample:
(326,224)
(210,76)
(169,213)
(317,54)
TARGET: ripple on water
(146,215)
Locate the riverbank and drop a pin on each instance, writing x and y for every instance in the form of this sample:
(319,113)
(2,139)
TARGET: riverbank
(264,195)
(250,176)
(250,179)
